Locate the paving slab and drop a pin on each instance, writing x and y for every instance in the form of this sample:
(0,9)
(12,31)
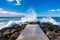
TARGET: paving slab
(32,32)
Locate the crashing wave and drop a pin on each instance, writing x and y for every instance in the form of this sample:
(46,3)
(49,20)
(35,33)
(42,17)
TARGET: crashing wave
(2,24)
(31,17)
(48,19)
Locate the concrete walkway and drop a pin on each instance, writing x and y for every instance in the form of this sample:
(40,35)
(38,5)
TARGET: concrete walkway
(32,32)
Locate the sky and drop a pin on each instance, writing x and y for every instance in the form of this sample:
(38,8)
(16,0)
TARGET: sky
(40,6)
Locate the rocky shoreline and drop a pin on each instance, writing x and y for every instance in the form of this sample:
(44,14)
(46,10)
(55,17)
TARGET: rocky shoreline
(12,33)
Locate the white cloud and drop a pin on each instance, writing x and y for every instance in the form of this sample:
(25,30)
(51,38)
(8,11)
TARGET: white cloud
(9,13)
(52,13)
(53,10)
(1,9)
(18,2)
(58,9)
(10,0)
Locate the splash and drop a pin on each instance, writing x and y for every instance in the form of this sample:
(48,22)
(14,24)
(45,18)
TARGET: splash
(2,24)
(30,17)
(9,24)
(48,19)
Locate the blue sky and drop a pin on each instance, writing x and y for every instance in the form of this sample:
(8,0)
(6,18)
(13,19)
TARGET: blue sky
(39,6)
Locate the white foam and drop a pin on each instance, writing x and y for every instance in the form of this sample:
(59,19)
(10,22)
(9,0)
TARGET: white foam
(48,19)
(30,17)
(10,23)
(2,24)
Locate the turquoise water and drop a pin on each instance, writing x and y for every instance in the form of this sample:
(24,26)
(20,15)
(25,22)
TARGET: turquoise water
(57,19)
(6,19)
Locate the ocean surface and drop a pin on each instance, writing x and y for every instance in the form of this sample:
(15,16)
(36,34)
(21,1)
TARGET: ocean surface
(6,19)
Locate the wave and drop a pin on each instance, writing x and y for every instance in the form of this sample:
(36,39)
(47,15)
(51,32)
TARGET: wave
(2,24)
(31,17)
(48,19)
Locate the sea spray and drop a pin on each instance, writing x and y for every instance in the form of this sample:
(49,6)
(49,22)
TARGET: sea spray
(2,24)
(48,19)
(31,17)
(9,24)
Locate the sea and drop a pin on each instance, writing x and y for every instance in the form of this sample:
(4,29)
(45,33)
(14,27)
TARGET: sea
(6,19)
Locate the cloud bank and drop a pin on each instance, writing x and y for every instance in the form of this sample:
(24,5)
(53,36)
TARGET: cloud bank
(52,13)
(4,13)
